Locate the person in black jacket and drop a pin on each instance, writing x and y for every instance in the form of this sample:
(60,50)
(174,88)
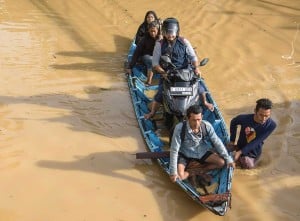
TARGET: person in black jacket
(149,17)
(144,50)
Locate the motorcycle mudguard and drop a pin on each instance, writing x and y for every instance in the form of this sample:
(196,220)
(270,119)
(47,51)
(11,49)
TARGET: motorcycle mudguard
(178,105)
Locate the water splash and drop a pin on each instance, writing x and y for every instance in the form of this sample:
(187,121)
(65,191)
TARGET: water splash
(291,56)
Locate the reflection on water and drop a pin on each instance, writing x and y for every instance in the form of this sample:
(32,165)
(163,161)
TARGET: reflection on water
(17,44)
(291,55)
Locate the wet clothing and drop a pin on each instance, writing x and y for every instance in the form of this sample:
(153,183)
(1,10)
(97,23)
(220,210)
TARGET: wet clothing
(247,162)
(195,146)
(252,134)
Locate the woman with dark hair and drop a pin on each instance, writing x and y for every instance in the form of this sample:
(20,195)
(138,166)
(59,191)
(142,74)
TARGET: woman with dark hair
(149,17)
(144,50)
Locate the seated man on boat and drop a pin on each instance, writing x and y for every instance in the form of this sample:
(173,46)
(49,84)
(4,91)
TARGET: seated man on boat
(182,56)
(144,50)
(196,140)
(255,128)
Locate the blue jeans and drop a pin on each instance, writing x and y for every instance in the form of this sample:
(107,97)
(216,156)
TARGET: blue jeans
(147,60)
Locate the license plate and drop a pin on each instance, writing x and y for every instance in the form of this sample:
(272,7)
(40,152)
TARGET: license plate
(181,91)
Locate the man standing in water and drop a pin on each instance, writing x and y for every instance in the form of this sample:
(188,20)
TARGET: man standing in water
(255,128)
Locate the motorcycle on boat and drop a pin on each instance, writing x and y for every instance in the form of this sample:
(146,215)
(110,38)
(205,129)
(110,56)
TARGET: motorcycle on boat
(180,91)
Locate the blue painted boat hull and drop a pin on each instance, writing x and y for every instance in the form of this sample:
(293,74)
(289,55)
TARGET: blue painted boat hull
(222,177)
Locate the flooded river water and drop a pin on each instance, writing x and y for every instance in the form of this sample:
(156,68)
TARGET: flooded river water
(67,126)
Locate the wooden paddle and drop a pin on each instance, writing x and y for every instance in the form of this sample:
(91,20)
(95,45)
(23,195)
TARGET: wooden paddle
(152,155)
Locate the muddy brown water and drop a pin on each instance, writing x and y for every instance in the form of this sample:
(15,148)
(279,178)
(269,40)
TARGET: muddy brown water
(68,129)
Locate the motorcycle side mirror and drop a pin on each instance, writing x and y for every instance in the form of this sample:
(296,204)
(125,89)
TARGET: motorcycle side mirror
(166,59)
(204,61)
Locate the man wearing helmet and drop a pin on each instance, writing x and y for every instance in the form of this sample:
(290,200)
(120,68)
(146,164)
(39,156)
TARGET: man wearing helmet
(182,56)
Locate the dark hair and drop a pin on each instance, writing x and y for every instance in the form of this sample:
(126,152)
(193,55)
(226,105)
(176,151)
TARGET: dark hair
(150,12)
(263,103)
(153,24)
(194,109)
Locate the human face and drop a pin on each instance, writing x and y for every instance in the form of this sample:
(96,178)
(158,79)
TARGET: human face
(153,32)
(170,31)
(170,36)
(150,18)
(262,115)
(195,121)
